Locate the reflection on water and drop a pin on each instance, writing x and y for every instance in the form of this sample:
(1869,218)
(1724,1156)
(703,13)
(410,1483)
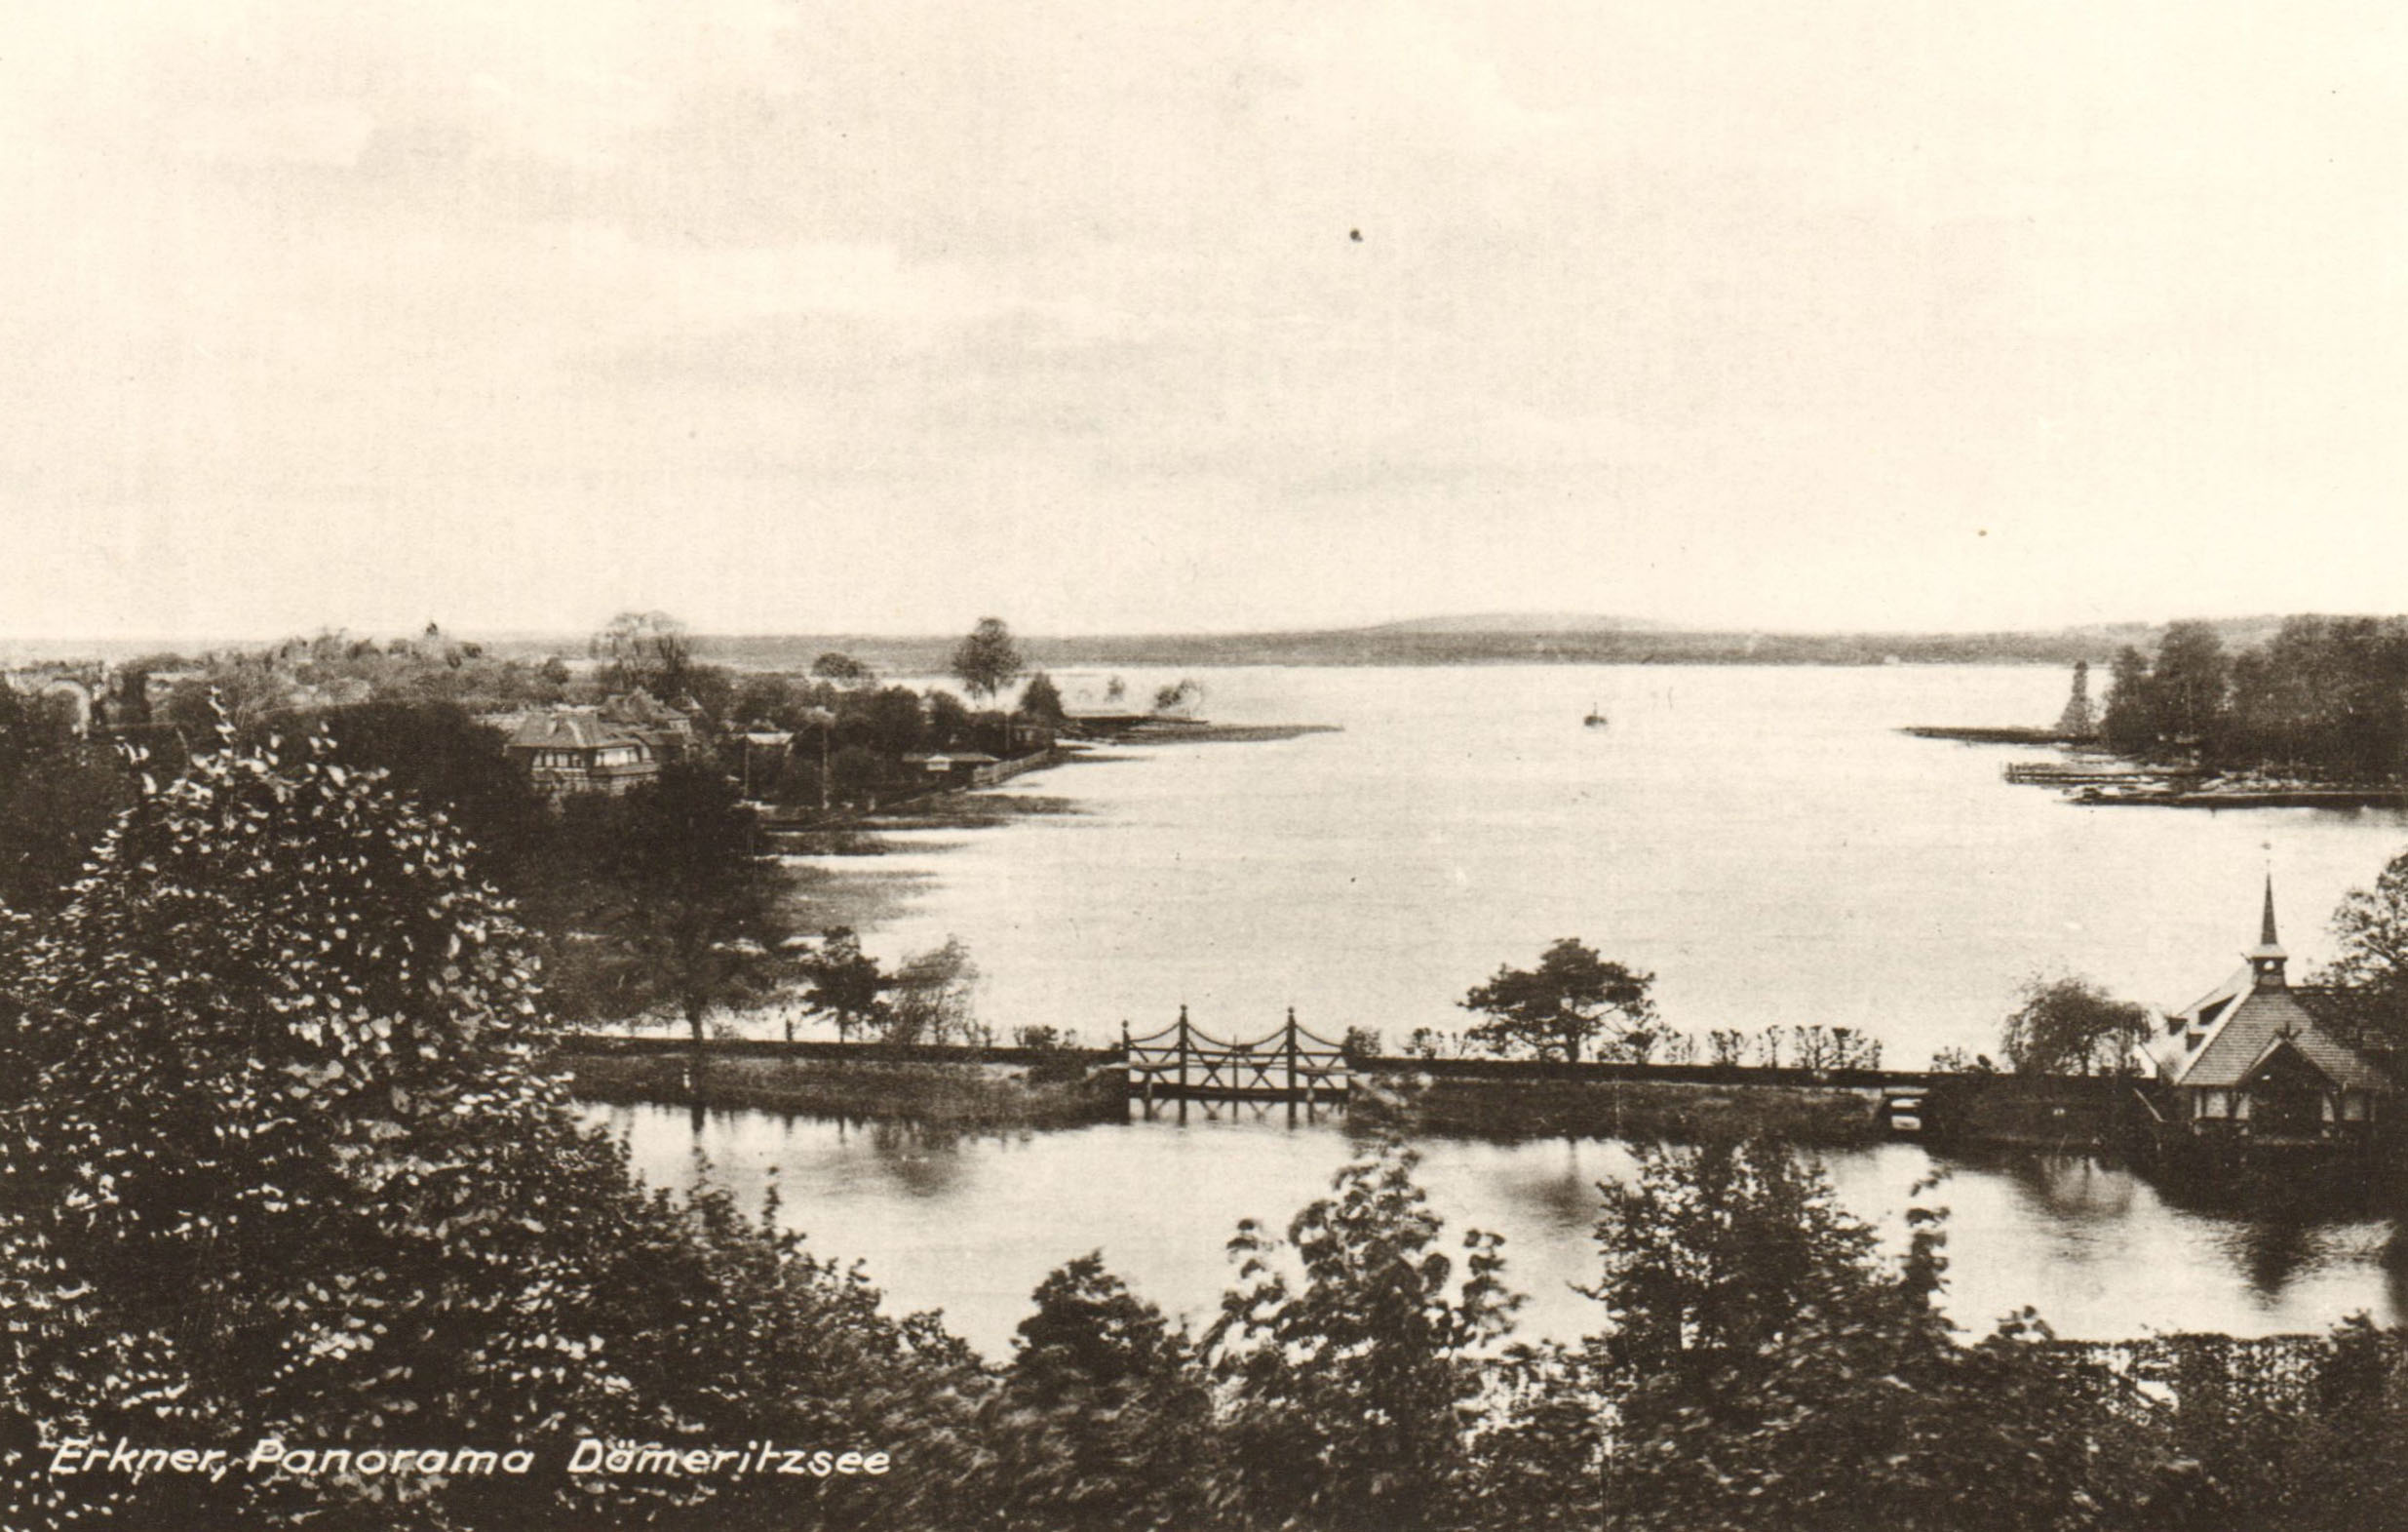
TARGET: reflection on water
(971,1225)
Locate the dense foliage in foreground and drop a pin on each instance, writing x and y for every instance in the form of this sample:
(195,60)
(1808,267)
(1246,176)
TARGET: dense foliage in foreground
(283,1162)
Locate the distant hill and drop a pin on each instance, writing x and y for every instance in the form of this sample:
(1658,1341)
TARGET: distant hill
(1445,641)
(1499,622)
(1481,639)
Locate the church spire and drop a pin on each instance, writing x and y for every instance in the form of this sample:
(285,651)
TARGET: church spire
(2267,957)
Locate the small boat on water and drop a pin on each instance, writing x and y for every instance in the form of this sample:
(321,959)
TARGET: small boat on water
(1596,718)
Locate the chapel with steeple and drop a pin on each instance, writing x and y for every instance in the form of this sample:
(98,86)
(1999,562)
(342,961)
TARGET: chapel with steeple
(2249,1063)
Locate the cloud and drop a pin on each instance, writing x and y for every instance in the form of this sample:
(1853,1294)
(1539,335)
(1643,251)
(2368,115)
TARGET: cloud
(1770,305)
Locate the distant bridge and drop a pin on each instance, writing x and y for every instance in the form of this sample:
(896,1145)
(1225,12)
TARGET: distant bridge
(1184,1063)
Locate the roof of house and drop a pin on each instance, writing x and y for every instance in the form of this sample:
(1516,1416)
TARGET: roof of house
(569,728)
(2220,1040)
(642,707)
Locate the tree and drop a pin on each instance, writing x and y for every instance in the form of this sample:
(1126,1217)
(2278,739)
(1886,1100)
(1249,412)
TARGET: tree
(690,915)
(2191,680)
(1104,1419)
(845,982)
(843,669)
(439,757)
(2068,1026)
(1562,1005)
(1350,1396)
(932,997)
(59,793)
(989,660)
(648,650)
(1714,1252)
(1041,700)
(2369,978)
(285,1161)
(1767,1369)
(949,725)
(2131,720)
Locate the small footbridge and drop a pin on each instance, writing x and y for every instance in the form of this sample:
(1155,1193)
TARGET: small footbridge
(1183,1063)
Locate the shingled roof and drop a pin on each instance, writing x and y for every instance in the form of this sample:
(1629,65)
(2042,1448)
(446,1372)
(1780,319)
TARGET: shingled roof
(568,728)
(2220,1040)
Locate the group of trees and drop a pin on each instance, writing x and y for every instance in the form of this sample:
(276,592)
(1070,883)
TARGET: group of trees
(59,791)
(926,1000)
(2326,697)
(644,904)
(1575,1002)
(845,726)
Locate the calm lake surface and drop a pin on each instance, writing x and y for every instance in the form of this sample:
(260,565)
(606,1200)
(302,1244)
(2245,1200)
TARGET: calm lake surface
(1763,840)
(971,1226)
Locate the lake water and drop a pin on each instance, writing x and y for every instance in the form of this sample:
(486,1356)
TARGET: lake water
(971,1226)
(1763,839)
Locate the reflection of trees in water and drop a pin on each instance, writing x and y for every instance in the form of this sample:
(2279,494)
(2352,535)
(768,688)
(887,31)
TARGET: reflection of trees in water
(2272,1249)
(2077,1188)
(2273,1194)
(923,1159)
(1566,1193)
(2273,1225)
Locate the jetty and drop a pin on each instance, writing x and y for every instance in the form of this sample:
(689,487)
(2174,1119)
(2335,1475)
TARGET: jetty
(1994,734)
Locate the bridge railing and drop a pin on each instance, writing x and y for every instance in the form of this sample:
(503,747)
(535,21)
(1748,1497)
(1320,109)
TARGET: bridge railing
(1183,1062)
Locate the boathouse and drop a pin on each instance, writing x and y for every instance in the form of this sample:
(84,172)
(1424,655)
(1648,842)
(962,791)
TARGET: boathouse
(2250,1064)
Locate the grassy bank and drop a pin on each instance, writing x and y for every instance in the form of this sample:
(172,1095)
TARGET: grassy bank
(1642,1108)
(966,1096)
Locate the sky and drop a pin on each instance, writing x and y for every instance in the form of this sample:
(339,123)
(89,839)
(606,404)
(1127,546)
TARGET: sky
(879,316)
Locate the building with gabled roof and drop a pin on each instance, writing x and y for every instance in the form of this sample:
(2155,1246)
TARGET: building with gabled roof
(2250,1061)
(669,728)
(576,750)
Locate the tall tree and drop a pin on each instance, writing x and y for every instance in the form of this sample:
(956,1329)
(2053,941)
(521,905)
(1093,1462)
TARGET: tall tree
(1103,1420)
(1350,1394)
(2369,977)
(1767,1369)
(1041,700)
(285,1160)
(650,651)
(2070,1026)
(932,997)
(1562,1006)
(2130,719)
(2191,678)
(989,660)
(689,914)
(845,982)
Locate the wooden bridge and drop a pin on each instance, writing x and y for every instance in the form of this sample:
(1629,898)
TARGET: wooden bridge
(1183,1063)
